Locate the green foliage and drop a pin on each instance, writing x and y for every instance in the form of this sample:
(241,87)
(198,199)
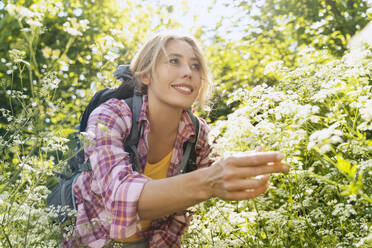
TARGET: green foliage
(240,65)
(82,42)
(54,56)
(320,116)
(325,24)
(277,30)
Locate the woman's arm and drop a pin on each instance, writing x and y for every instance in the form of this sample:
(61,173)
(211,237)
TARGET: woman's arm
(113,179)
(228,179)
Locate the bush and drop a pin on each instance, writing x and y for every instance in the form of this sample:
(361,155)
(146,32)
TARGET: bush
(320,116)
(54,55)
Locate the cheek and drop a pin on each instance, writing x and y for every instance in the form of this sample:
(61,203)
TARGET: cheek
(163,74)
(198,80)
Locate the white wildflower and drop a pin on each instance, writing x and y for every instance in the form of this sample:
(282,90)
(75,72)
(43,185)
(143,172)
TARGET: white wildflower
(321,134)
(274,67)
(17,56)
(34,23)
(26,166)
(73,31)
(315,109)
(325,148)
(366,111)
(78,12)
(19,11)
(89,135)
(365,242)
(314,119)
(84,24)
(100,76)
(50,82)
(110,56)
(336,139)
(75,28)
(64,65)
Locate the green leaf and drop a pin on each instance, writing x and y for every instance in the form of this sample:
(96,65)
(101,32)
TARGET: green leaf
(66,131)
(345,166)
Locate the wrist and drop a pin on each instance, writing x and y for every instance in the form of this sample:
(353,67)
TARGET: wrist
(203,190)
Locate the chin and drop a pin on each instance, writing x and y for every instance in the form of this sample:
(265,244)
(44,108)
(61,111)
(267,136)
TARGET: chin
(186,104)
(181,105)
(178,102)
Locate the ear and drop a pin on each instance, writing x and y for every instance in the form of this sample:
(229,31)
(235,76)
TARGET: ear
(146,78)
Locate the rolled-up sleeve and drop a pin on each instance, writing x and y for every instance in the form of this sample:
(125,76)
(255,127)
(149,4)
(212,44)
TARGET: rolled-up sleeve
(112,176)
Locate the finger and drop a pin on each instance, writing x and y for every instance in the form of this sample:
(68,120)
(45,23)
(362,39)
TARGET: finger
(276,163)
(254,159)
(247,194)
(257,149)
(247,183)
(264,170)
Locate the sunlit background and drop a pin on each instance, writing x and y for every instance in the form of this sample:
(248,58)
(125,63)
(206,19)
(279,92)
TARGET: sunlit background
(292,76)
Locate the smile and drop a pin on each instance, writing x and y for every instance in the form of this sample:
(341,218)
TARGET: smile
(183,88)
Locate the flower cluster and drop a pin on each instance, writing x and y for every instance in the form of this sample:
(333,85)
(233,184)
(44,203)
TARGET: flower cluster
(75,27)
(319,115)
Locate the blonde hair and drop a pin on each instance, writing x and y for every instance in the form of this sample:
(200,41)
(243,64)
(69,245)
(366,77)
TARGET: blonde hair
(145,61)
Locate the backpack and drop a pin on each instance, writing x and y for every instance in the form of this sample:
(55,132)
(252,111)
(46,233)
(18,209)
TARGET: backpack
(62,196)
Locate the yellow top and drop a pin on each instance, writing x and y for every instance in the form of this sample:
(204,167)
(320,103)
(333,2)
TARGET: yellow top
(155,171)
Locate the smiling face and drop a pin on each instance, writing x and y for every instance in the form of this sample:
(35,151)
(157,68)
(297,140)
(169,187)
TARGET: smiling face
(177,78)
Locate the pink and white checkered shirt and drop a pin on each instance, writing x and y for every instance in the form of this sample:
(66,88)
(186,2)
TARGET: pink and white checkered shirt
(107,196)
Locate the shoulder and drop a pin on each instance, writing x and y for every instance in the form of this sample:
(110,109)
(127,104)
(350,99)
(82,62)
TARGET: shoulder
(112,113)
(203,147)
(113,106)
(204,131)
(204,127)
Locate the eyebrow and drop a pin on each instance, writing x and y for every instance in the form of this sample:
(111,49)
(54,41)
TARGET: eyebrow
(180,56)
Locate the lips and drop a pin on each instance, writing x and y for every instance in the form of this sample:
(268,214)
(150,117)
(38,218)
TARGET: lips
(183,88)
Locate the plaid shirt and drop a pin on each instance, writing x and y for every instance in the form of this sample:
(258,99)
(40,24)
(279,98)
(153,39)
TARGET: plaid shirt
(107,196)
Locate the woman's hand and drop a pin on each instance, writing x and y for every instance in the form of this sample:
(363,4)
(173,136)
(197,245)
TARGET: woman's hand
(244,176)
(238,177)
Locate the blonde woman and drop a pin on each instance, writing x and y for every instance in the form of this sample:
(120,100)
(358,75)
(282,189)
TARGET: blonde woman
(119,207)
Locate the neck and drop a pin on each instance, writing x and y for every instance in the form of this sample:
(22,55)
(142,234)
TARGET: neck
(163,119)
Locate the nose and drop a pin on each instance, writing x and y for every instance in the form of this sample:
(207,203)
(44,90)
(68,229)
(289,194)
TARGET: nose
(186,71)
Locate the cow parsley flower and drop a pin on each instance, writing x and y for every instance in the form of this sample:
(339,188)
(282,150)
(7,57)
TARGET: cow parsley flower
(110,56)
(75,27)
(34,23)
(366,111)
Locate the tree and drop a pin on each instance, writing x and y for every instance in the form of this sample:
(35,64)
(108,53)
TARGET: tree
(324,24)
(275,30)
(73,46)
(54,56)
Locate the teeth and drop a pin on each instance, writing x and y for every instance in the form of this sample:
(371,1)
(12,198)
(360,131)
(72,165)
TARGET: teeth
(183,88)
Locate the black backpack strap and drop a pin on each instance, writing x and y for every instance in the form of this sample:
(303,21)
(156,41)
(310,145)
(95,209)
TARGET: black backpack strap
(85,166)
(188,162)
(131,143)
